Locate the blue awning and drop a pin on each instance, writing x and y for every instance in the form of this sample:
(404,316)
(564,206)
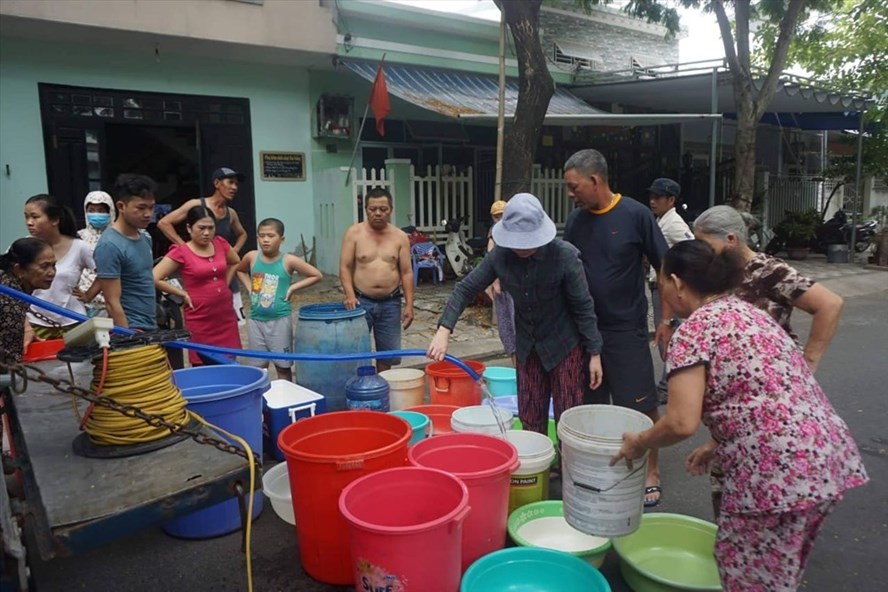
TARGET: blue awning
(460,93)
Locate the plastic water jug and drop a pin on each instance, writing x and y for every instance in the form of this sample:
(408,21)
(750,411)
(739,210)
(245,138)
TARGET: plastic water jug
(367,390)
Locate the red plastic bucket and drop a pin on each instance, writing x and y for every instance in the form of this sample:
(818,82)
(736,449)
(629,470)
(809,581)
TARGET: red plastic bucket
(394,549)
(439,414)
(485,464)
(451,385)
(324,454)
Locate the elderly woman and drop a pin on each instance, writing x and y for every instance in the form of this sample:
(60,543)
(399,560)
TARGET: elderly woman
(555,318)
(28,265)
(786,455)
(772,285)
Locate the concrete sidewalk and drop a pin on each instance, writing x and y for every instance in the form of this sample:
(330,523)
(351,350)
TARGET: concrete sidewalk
(476,338)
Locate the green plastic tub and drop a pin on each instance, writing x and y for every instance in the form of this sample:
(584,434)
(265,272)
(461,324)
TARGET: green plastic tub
(669,553)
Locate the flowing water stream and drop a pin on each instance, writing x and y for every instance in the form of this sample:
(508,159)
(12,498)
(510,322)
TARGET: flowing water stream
(485,394)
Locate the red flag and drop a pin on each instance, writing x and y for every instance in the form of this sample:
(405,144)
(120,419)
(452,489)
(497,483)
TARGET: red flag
(379,100)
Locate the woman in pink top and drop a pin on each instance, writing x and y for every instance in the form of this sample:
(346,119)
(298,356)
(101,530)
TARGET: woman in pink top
(787,456)
(206,265)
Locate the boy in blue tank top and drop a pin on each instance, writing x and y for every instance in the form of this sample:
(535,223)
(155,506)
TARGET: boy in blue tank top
(270,327)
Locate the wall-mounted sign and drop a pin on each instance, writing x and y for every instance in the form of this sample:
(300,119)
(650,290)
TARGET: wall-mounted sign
(282,166)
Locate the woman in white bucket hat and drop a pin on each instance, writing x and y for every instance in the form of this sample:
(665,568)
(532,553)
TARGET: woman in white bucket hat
(554,314)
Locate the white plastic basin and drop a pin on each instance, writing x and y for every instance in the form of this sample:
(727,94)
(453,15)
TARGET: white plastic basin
(276,486)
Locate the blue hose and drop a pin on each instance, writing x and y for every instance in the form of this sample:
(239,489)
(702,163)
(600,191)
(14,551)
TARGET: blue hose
(228,351)
(310,357)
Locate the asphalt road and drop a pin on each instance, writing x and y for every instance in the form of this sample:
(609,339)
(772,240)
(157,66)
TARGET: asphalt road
(854,376)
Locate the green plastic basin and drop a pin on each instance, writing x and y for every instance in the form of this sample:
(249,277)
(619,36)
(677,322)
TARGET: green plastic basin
(669,553)
(542,524)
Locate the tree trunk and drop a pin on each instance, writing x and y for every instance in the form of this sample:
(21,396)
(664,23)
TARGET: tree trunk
(535,89)
(749,103)
(744,157)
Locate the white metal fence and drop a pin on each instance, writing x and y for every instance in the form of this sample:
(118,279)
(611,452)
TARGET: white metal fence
(548,185)
(441,194)
(363,181)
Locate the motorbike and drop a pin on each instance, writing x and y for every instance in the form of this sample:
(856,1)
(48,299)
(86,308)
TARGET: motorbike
(461,254)
(835,231)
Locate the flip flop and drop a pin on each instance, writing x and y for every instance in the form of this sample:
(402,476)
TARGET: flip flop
(653,489)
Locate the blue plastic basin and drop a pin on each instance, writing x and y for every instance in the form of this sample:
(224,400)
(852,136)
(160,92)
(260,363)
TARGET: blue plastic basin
(531,569)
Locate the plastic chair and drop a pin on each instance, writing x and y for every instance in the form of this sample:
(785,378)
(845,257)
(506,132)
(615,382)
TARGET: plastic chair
(427,256)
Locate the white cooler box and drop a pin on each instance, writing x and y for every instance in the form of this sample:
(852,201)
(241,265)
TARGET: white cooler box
(284,403)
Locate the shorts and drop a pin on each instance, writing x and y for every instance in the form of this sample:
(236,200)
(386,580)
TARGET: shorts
(275,335)
(628,372)
(384,319)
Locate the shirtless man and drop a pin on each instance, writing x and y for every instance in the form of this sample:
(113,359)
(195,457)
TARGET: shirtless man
(228,225)
(374,268)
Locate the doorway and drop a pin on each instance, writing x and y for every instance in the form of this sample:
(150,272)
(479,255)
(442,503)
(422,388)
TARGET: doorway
(93,135)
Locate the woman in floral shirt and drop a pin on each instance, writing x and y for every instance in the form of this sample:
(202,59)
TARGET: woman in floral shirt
(28,265)
(787,457)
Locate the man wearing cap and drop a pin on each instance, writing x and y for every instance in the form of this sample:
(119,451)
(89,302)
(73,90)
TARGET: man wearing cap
(614,235)
(228,225)
(663,195)
(554,314)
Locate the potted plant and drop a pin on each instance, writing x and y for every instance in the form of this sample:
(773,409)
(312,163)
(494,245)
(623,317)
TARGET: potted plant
(798,229)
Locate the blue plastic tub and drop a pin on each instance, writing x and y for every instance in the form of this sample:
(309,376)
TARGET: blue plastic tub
(501,381)
(229,397)
(532,569)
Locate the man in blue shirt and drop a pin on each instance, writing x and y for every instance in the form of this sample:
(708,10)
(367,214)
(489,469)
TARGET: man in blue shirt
(614,234)
(123,255)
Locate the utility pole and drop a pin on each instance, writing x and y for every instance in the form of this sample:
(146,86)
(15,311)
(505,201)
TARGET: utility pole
(501,111)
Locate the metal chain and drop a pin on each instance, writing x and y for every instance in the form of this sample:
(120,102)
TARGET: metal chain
(66,386)
(44,318)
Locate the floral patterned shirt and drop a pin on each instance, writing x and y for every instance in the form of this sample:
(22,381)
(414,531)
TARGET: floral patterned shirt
(12,321)
(772,285)
(781,444)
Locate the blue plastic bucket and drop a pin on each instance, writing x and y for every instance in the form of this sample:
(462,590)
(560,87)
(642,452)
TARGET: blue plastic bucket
(229,397)
(330,329)
(501,381)
(421,425)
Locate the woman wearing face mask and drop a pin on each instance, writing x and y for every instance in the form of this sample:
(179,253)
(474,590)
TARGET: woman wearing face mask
(99,211)
(28,266)
(54,224)
(206,265)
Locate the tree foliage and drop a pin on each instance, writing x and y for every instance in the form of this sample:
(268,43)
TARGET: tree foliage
(752,92)
(848,49)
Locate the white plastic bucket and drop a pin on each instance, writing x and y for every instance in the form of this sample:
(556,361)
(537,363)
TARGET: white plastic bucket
(530,483)
(479,419)
(598,499)
(406,387)
(276,486)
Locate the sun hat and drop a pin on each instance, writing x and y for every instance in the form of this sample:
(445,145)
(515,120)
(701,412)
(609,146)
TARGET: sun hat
(497,207)
(525,224)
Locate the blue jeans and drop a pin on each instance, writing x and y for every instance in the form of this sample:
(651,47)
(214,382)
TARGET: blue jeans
(384,321)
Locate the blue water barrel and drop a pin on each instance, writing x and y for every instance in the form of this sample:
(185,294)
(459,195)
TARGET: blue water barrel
(230,397)
(330,329)
(367,390)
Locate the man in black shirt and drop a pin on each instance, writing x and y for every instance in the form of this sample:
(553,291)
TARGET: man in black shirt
(614,234)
